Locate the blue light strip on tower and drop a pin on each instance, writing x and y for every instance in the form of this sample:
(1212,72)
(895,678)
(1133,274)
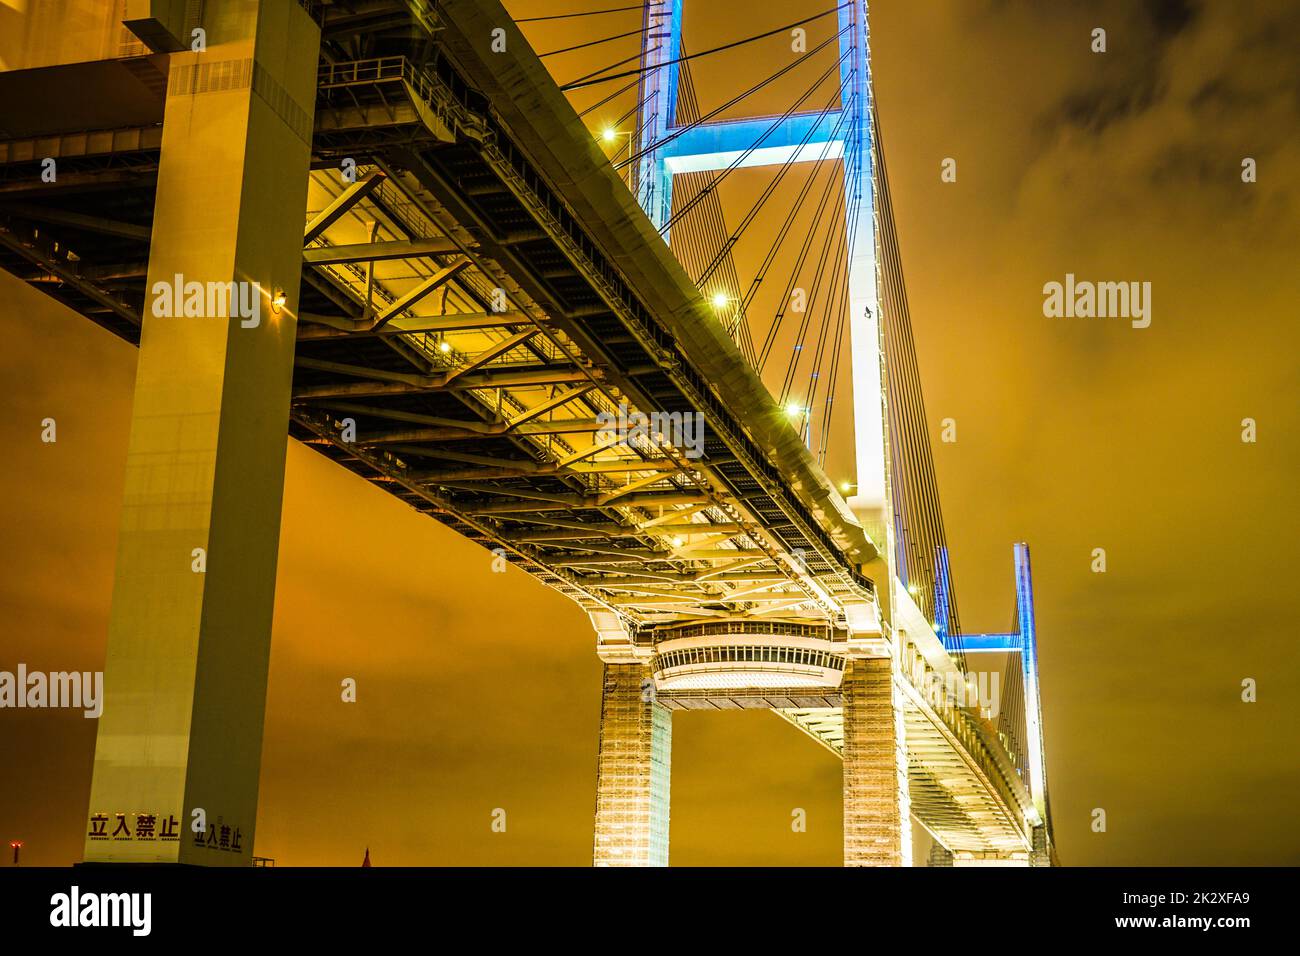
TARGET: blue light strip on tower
(942,584)
(1029,668)
(658,96)
(991,643)
(713,146)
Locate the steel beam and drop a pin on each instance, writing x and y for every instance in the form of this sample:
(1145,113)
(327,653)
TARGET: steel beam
(418,292)
(496,350)
(62,217)
(377,251)
(579,502)
(423,384)
(345,200)
(340,327)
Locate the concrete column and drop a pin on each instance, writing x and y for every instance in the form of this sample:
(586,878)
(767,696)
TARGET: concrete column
(633,770)
(1041,853)
(189,637)
(877,824)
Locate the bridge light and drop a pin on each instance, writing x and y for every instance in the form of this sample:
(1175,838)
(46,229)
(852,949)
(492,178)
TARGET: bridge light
(609,135)
(678,541)
(720,300)
(278,300)
(913,589)
(793,410)
(444,346)
(846,486)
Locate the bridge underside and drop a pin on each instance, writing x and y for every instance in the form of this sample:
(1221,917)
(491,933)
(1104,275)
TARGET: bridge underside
(949,796)
(478,342)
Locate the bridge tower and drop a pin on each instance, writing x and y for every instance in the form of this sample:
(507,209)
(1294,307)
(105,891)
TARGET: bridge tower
(1021,645)
(633,785)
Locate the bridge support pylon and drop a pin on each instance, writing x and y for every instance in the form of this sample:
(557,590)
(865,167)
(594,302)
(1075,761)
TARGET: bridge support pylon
(633,770)
(877,824)
(179,744)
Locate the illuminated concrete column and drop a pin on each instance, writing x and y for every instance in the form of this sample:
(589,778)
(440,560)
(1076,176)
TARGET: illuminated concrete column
(877,824)
(633,770)
(189,636)
(1041,853)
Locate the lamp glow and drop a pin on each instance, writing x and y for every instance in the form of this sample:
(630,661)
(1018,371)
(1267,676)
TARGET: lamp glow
(444,346)
(609,135)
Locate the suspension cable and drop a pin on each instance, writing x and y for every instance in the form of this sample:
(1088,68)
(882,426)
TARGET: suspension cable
(582,46)
(589,81)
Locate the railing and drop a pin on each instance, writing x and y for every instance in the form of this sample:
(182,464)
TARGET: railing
(374,70)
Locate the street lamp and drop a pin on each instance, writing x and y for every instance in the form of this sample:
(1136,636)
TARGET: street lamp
(609,135)
(795,410)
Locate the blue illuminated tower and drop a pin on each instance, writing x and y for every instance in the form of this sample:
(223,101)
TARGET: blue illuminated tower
(843,135)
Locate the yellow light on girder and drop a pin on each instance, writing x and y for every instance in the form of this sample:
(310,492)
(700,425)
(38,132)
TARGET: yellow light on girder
(846,486)
(793,410)
(912,589)
(720,300)
(444,346)
(278,300)
(609,135)
(678,541)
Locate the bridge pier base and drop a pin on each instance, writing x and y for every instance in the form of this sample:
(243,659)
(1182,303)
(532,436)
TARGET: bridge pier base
(179,744)
(633,770)
(877,823)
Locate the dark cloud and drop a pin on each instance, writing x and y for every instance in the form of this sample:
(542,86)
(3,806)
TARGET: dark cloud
(1170,17)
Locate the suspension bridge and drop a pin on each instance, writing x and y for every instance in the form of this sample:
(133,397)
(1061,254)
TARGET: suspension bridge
(462,291)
